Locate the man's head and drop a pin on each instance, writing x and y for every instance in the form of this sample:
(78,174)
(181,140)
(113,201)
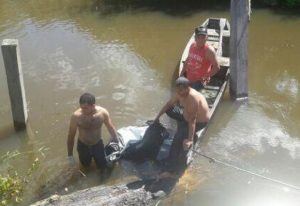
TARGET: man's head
(182,86)
(87,103)
(200,35)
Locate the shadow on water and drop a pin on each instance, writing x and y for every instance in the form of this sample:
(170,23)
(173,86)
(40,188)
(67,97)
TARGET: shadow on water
(184,8)
(278,7)
(291,14)
(152,178)
(6,131)
(165,185)
(173,79)
(170,7)
(61,180)
(57,182)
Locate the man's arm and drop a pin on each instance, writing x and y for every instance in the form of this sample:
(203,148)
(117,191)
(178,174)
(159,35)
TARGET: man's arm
(71,135)
(110,127)
(167,106)
(192,119)
(182,72)
(211,56)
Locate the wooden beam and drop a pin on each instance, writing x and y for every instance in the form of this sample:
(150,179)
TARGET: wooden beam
(121,195)
(13,68)
(240,11)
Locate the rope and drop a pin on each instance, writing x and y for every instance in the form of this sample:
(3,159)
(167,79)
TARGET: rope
(247,171)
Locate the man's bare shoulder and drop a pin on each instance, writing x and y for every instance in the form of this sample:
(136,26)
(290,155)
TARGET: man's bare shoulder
(194,92)
(197,95)
(77,113)
(101,110)
(210,51)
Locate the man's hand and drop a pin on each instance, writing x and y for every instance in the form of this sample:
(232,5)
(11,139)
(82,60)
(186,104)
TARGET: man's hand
(156,120)
(114,139)
(205,80)
(187,144)
(71,161)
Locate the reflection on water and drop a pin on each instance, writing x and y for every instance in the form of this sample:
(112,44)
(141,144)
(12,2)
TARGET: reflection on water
(287,85)
(256,132)
(127,60)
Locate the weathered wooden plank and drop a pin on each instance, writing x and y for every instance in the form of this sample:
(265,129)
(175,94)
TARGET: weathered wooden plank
(102,195)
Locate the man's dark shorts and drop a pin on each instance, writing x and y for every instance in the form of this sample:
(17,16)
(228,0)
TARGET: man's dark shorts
(87,152)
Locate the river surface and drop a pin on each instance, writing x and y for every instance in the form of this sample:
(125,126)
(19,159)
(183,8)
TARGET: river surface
(127,59)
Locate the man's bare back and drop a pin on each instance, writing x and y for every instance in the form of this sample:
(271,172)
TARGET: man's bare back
(197,99)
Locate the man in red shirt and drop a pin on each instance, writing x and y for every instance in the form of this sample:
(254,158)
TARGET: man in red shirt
(201,62)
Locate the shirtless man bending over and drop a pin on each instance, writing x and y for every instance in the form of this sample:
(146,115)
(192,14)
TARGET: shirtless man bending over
(88,119)
(191,111)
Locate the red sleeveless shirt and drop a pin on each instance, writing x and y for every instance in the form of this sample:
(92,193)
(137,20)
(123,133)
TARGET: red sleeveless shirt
(198,67)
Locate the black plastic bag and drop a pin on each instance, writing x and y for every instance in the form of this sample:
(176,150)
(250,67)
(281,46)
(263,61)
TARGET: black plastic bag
(149,146)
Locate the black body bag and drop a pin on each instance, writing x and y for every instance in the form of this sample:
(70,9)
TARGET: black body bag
(148,148)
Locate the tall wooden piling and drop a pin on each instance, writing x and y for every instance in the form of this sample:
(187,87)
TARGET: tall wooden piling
(240,15)
(12,62)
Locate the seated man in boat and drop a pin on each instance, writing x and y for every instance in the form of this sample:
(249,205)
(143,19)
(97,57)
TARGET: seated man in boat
(191,111)
(201,62)
(88,119)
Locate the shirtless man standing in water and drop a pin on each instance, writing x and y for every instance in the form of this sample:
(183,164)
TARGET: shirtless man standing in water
(191,111)
(88,119)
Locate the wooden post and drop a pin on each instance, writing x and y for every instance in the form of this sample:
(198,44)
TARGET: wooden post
(12,63)
(240,14)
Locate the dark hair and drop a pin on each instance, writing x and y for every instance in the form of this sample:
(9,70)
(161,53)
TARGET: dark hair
(201,30)
(182,81)
(87,98)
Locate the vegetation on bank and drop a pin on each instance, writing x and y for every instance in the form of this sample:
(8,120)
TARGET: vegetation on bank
(11,188)
(12,184)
